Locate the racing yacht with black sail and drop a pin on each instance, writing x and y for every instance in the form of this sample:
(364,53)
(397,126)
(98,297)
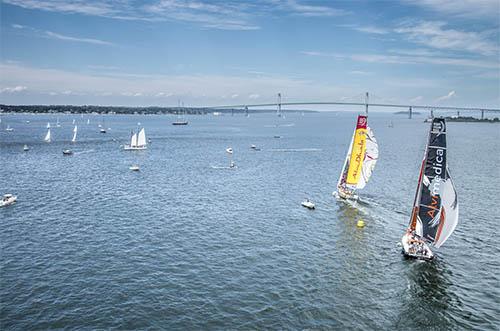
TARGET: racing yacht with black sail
(435,207)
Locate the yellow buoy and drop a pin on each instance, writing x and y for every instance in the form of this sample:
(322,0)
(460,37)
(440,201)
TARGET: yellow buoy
(360,224)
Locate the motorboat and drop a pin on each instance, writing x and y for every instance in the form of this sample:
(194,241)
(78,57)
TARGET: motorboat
(102,130)
(26,148)
(8,199)
(67,152)
(134,167)
(254,148)
(308,204)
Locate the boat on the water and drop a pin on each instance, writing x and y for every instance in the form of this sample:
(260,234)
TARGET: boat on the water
(180,117)
(137,141)
(8,199)
(360,161)
(47,138)
(9,129)
(435,207)
(254,148)
(75,130)
(134,167)
(67,152)
(58,125)
(308,204)
(48,125)
(26,148)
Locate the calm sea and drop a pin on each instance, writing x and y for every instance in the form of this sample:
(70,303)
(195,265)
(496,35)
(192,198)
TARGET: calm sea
(181,245)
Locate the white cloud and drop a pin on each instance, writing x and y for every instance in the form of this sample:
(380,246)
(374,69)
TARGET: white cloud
(401,59)
(53,35)
(58,36)
(312,10)
(196,89)
(479,9)
(435,35)
(234,96)
(14,89)
(417,99)
(359,72)
(448,96)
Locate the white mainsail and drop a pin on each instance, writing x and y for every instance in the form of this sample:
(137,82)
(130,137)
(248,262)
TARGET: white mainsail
(133,140)
(141,138)
(371,157)
(47,136)
(48,125)
(75,130)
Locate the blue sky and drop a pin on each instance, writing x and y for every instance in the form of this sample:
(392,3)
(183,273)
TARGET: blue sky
(139,53)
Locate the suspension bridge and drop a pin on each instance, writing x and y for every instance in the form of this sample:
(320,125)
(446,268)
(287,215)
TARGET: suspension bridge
(410,108)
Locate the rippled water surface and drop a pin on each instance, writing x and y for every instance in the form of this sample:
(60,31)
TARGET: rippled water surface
(181,245)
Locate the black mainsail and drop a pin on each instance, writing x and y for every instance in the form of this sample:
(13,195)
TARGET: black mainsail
(435,211)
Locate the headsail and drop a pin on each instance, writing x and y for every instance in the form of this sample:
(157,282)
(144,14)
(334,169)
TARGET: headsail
(371,157)
(435,213)
(360,160)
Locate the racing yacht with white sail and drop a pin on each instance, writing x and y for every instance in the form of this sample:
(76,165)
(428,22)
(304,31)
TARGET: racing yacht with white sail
(360,161)
(435,208)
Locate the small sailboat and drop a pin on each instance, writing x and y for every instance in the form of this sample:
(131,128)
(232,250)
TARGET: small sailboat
(26,148)
(9,129)
(88,121)
(102,127)
(229,151)
(58,125)
(48,125)
(359,162)
(308,204)
(180,120)
(435,208)
(47,138)
(73,121)
(391,125)
(137,141)
(75,130)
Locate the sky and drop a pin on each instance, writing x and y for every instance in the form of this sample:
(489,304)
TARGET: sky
(208,53)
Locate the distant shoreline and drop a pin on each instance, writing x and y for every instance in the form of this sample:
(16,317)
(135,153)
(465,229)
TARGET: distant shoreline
(68,109)
(471,119)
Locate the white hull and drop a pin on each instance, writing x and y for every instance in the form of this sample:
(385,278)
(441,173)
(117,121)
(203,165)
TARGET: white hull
(131,148)
(9,201)
(420,250)
(134,168)
(345,197)
(308,205)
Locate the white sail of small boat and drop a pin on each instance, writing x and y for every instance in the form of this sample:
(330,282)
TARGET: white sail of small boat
(360,160)
(75,130)
(48,125)
(88,120)
(57,123)
(73,121)
(47,138)
(435,208)
(137,141)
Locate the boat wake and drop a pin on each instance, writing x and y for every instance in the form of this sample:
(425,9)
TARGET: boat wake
(295,150)
(222,167)
(83,152)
